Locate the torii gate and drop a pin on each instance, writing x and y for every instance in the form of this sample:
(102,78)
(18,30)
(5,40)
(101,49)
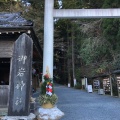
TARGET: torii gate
(51,13)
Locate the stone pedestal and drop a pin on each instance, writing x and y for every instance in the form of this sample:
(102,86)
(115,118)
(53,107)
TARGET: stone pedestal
(30,117)
(49,114)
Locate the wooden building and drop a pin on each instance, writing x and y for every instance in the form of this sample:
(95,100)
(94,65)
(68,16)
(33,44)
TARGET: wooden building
(12,25)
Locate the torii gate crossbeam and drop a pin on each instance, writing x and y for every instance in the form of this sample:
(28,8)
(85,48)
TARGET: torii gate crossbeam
(51,13)
(86,13)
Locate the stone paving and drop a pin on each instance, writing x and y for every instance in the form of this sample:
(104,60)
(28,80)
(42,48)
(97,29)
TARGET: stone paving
(81,105)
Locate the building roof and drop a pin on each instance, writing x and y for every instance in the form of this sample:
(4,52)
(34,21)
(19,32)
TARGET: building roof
(13,20)
(12,24)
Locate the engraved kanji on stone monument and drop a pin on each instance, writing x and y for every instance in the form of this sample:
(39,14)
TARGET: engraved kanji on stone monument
(20,77)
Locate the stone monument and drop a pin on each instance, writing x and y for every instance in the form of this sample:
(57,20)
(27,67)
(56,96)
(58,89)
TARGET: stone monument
(20,79)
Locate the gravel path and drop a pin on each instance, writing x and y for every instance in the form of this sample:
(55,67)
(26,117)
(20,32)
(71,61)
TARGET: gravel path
(80,105)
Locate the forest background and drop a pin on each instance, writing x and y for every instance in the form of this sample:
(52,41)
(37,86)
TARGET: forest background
(82,47)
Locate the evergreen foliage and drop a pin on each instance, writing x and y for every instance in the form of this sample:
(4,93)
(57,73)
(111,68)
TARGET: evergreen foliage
(96,41)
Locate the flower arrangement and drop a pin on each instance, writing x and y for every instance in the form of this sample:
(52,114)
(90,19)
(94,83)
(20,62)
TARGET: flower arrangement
(47,92)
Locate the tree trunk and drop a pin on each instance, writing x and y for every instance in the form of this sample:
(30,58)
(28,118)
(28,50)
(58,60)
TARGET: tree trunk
(73,65)
(68,63)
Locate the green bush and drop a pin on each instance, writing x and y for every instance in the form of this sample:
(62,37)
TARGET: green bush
(78,86)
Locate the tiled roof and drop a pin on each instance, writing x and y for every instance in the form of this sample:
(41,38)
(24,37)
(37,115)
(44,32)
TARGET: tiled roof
(13,20)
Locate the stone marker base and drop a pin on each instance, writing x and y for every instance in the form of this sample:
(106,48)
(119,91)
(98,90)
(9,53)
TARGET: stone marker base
(49,114)
(30,117)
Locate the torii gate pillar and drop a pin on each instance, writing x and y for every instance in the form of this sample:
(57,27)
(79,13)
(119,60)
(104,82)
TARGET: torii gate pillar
(48,38)
(51,13)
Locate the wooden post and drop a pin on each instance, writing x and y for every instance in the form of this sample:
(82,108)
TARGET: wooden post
(111,91)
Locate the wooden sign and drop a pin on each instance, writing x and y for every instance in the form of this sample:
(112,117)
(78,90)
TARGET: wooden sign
(20,77)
